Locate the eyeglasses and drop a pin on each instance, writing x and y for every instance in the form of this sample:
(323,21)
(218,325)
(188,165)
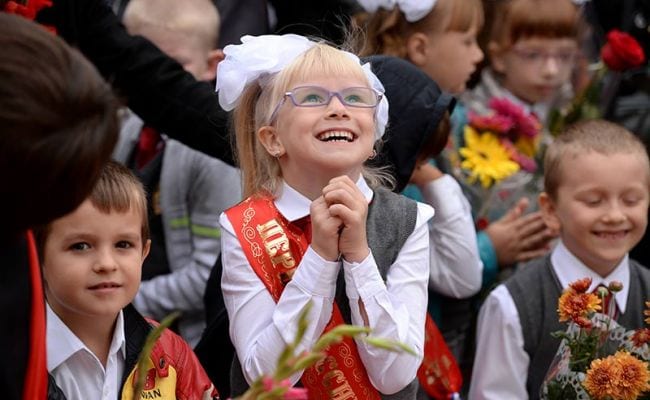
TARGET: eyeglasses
(537,58)
(316,96)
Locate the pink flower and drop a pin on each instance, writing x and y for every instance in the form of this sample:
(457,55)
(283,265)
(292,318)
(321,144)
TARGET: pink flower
(291,394)
(523,123)
(296,394)
(526,163)
(493,123)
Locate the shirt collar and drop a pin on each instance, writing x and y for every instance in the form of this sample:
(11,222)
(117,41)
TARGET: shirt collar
(293,205)
(568,268)
(62,343)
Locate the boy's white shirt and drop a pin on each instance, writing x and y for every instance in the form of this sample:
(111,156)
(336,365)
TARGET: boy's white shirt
(501,364)
(76,370)
(260,329)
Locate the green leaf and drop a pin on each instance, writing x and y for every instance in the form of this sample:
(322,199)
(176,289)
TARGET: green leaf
(145,353)
(308,360)
(389,345)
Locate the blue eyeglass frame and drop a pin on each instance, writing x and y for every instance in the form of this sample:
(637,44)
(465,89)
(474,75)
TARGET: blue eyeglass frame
(330,95)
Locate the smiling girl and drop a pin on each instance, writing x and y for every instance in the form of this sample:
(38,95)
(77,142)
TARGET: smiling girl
(317,227)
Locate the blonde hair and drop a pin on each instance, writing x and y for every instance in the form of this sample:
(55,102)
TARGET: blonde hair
(521,19)
(260,171)
(386,31)
(595,135)
(198,18)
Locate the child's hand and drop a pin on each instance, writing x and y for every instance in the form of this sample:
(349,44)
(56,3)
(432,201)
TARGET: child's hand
(324,230)
(425,173)
(517,237)
(345,201)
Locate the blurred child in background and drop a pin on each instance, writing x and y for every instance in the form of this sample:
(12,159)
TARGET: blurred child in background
(187,189)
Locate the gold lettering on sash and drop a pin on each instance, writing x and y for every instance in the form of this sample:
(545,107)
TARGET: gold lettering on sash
(340,388)
(276,244)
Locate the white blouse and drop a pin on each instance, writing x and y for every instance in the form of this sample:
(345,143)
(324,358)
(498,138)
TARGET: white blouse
(260,329)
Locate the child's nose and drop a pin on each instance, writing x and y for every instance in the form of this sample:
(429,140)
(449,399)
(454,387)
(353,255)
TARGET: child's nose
(478,54)
(551,66)
(105,261)
(615,214)
(336,108)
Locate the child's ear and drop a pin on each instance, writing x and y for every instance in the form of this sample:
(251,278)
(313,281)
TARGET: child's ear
(146,248)
(416,48)
(214,58)
(268,136)
(496,57)
(549,214)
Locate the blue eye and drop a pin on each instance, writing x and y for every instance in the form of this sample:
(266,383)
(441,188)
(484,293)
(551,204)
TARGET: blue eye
(351,99)
(312,98)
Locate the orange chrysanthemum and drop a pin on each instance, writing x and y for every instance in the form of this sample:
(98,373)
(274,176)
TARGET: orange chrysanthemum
(581,285)
(634,376)
(599,381)
(647,312)
(621,376)
(641,337)
(577,306)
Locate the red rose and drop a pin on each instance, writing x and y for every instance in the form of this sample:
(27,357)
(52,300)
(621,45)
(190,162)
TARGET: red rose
(621,51)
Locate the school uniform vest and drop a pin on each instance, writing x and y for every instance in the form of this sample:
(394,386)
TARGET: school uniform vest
(535,291)
(391,220)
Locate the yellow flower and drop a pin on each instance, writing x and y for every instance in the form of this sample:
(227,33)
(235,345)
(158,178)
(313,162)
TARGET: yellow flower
(485,158)
(576,306)
(621,376)
(527,145)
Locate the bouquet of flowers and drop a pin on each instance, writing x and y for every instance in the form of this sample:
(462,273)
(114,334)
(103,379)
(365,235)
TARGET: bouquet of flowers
(597,358)
(620,53)
(500,156)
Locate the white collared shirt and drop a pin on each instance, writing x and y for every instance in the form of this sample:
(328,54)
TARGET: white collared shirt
(456,268)
(501,363)
(76,370)
(260,328)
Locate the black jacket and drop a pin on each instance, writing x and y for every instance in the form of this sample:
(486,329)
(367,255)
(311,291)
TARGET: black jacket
(155,86)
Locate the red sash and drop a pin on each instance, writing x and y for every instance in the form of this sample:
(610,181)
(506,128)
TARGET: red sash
(274,249)
(35,385)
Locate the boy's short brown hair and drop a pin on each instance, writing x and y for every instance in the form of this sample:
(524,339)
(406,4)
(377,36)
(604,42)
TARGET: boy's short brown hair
(117,189)
(595,135)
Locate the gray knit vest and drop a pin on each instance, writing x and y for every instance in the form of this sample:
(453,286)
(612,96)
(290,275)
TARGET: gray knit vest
(391,220)
(535,290)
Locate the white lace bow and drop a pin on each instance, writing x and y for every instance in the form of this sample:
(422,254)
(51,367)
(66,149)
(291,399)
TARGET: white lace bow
(258,57)
(413,10)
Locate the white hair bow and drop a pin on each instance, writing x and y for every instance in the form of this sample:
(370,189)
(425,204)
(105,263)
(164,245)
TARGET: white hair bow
(413,10)
(257,57)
